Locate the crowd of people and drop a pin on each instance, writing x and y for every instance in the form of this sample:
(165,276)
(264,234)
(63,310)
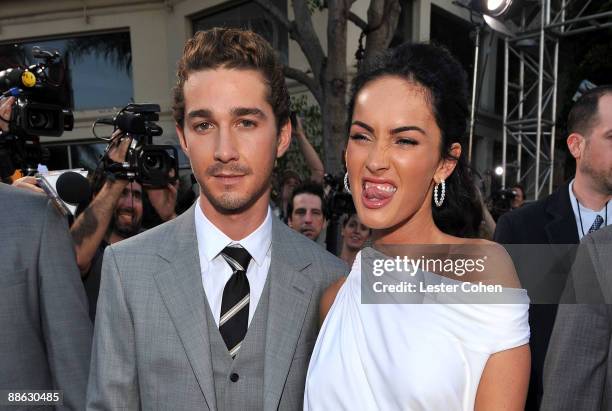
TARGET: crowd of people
(236,304)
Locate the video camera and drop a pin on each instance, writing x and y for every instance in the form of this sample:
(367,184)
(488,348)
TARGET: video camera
(501,202)
(38,111)
(338,201)
(151,165)
(37,89)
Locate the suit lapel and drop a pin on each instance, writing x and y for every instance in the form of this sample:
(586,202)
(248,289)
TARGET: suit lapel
(562,229)
(180,286)
(290,295)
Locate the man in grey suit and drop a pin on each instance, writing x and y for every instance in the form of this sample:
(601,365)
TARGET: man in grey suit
(217,309)
(45,332)
(578,366)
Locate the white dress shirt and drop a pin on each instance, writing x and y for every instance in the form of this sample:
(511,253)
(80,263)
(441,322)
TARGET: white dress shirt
(586,214)
(215,270)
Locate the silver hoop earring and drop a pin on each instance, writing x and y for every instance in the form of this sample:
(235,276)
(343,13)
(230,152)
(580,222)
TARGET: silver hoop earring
(346,183)
(440,200)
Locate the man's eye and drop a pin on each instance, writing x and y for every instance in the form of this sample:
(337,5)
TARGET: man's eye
(202,126)
(247,123)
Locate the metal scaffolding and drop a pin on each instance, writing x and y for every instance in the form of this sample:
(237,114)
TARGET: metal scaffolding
(530,96)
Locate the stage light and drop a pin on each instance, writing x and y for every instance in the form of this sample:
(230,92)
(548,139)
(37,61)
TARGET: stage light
(499,170)
(496,8)
(493,8)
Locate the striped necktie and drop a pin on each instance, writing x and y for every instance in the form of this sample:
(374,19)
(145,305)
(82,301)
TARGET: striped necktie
(596,224)
(234,319)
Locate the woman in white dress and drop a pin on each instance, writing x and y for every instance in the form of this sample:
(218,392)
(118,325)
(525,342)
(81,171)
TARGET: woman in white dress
(410,185)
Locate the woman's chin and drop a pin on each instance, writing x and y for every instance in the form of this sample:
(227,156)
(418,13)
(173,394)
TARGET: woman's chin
(376,219)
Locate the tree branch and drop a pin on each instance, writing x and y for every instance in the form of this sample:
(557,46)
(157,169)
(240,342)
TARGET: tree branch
(383,16)
(268,6)
(358,21)
(307,38)
(305,79)
(302,31)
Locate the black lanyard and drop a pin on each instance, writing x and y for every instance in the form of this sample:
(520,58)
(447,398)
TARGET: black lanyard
(580,216)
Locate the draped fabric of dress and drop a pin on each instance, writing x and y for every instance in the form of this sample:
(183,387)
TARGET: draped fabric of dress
(426,356)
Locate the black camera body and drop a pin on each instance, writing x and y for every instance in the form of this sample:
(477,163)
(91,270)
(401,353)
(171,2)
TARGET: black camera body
(339,202)
(29,118)
(501,202)
(152,165)
(38,108)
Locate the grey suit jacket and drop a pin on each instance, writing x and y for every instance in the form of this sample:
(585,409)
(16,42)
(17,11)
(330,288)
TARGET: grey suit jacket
(578,366)
(151,346)
(45,331)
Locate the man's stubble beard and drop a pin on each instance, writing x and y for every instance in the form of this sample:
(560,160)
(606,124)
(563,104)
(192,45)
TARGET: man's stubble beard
(234,202)
(602,180)
(125,231)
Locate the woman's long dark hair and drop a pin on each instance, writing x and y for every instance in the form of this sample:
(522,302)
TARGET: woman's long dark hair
(434,68)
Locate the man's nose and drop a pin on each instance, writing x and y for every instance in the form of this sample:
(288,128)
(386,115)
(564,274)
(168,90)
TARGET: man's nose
(225,147)
(308,217)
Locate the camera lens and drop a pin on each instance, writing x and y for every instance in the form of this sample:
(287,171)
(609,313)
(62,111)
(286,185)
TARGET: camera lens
(39,119)
(153,161)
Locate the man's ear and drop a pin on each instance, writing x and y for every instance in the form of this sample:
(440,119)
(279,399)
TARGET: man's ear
(181,137)
(575,144)
(289,223)
(284,139)
(447,165)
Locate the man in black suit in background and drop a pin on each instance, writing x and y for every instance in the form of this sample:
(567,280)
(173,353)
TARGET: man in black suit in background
(572,211)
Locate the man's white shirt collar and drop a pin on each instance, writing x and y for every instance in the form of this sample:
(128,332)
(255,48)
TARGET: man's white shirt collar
(212,240)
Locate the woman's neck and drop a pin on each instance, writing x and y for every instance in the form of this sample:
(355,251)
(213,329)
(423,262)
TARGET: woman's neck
(418,229)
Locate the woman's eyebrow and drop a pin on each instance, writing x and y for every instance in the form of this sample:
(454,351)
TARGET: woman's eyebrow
(364,125)
(408,128)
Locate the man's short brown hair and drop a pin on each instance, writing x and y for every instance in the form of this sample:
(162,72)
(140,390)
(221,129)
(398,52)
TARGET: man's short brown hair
(232,49)
(584,114)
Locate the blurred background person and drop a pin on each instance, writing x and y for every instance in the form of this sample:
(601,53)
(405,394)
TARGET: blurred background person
(289,179)
(306,211)
(578,366)
(577,208)
(519,196)
(354,236)
(311,158)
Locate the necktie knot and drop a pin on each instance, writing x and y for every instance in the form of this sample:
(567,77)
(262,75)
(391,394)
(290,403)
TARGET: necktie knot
(237,257)
(596,224)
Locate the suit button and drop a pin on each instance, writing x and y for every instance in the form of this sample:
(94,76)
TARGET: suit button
(234,377)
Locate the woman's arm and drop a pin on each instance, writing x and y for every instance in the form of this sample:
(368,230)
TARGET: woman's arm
(504,382)
(312,159)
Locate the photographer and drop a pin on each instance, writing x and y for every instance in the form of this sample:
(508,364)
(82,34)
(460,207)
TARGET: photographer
(519,196)
(5,112)
(114,214)
(28,182)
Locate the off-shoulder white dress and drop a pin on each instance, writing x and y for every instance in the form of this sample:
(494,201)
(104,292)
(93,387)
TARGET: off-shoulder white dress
(408,356)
